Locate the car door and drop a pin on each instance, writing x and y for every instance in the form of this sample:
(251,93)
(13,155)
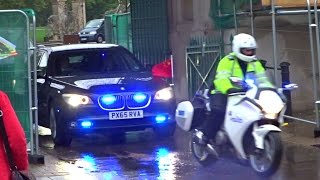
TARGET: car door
(42,86)
(101,29)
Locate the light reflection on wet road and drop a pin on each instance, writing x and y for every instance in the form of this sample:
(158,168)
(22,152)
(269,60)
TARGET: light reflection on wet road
(143,156)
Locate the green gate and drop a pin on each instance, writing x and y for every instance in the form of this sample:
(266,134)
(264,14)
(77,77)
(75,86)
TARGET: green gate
(118,29)
(202,54)
(150,30)
(15,66)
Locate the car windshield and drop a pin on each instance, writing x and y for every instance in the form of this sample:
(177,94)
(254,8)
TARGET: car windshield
(91,61)
(94,23)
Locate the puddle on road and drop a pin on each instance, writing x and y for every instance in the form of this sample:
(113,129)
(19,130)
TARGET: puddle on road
(139,156)
(161,163)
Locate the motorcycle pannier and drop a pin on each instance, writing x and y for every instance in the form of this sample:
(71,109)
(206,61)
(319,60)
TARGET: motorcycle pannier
(189,115)
(184,115)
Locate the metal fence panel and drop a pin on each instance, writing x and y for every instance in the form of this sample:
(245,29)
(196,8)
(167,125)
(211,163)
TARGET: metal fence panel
(14,27)
(118,29)
(201,55)
(150,30)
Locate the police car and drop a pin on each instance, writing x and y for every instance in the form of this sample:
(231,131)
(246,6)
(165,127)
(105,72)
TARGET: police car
(99,88)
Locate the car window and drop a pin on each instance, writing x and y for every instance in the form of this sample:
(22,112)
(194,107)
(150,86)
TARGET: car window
(94,23)
(84,62)
(42,59)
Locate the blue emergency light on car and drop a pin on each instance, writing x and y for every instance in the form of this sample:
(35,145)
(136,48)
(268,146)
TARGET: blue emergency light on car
(160,118)
(108,99)
(139,97)
(86,124)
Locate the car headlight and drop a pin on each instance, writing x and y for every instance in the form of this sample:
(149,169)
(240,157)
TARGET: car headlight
(164,94)
(93,32)
(75,99)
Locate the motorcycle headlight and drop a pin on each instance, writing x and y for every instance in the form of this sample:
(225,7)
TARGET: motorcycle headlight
(75,99)
(271,115)
(271,104)
(93,32)
(164,94)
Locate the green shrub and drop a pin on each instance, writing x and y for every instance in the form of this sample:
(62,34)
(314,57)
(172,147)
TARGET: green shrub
(41,33)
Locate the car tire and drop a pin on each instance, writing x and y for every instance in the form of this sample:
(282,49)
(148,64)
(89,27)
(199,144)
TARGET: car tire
(100,39)
(165,131)
(58,130)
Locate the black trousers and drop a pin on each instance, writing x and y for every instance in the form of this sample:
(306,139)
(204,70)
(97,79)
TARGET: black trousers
(218,105)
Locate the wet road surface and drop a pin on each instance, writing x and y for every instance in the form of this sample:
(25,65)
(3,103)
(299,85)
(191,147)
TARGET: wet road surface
(143,156)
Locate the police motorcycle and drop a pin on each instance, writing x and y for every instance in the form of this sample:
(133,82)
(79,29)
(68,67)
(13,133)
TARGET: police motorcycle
(251,129)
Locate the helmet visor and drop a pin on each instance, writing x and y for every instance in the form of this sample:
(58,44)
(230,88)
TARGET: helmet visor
(248,51)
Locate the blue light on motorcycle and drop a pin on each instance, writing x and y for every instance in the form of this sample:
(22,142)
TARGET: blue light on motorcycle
(108,99)
(291,86)
(139,97)
(160,118)
(249,81)
(86,124)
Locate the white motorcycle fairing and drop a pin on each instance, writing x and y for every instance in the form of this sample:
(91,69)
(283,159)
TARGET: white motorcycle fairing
(241,113)
(260,132)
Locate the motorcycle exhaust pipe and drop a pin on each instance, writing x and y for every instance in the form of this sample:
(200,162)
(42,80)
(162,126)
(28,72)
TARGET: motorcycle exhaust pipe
(211,150)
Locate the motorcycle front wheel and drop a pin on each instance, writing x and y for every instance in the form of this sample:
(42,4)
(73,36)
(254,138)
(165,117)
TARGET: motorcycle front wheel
(200,153)
(267,161)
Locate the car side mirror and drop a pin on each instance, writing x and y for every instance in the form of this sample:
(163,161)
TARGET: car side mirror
(40,74)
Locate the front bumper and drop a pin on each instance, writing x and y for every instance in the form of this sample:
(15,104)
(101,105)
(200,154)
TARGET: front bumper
(87,38)
(100,122)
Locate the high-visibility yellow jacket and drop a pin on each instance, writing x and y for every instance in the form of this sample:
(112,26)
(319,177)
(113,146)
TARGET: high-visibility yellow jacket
(229,67)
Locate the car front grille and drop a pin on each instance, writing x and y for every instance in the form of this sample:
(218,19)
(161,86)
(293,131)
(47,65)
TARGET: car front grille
(131,101)
(117,104)
(134,104)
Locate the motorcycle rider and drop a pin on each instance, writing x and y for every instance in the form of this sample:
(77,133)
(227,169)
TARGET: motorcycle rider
(236,64)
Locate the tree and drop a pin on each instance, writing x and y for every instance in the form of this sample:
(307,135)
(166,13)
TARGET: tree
(97,8)
(42,8)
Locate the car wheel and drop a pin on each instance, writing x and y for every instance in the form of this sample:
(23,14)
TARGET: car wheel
(165,131)
(99,39)
(58,131)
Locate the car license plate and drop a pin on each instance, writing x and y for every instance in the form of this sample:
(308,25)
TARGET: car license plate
(125,114)
(83,39)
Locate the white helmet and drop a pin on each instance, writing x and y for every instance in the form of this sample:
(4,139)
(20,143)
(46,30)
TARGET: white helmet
(243,42)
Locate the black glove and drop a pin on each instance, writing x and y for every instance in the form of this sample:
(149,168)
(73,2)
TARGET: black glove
(235,90)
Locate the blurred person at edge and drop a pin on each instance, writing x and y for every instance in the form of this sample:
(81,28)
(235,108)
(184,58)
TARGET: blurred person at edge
(163,70)
(17,140)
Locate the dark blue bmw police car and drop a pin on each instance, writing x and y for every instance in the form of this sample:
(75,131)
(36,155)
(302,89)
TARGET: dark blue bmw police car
(100,88)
